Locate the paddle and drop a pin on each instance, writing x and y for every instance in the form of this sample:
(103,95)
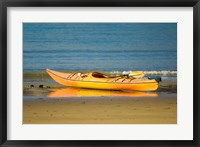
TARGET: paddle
(134,74)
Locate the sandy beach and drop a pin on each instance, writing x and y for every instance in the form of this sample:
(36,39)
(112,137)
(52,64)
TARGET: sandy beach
(107,110)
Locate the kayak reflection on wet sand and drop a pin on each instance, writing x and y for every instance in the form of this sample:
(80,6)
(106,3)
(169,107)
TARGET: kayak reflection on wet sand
(79,92)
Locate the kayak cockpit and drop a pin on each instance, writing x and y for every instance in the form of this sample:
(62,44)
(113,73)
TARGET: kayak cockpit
(98,75)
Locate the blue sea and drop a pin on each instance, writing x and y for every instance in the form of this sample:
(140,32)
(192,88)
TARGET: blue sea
(100,46)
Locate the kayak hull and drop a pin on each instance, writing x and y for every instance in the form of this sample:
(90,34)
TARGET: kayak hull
(105,83)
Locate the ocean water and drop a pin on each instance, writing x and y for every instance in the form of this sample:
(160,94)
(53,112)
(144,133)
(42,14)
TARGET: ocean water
(100,46)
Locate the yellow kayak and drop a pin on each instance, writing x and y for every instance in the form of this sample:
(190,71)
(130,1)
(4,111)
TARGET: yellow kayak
(95,80)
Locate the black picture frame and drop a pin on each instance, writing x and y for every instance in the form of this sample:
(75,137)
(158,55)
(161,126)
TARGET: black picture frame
(4,4)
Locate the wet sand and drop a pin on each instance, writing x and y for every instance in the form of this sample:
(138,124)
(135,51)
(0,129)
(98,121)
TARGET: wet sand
(104,110)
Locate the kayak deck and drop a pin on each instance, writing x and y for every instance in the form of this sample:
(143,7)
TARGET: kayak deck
(99,81)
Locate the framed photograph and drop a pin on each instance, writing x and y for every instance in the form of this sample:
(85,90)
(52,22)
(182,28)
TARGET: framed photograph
(82,73)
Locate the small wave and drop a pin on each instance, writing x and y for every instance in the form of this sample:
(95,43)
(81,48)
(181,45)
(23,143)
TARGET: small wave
(153,73)
(147,73)
(163,73)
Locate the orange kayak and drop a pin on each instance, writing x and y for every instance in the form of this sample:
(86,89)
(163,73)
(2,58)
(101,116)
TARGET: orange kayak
(95,80)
